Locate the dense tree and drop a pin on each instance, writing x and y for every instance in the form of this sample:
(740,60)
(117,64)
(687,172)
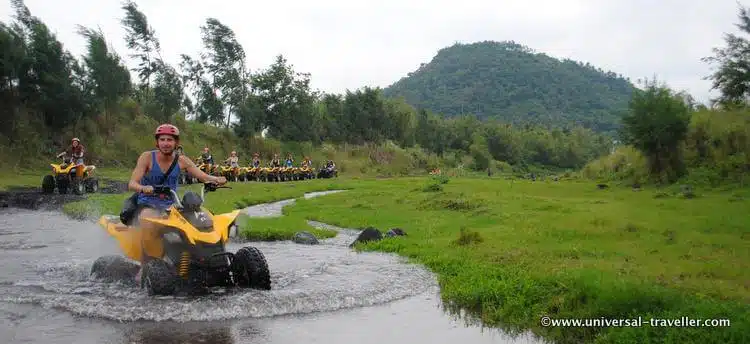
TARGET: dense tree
(657,123)
(732,76)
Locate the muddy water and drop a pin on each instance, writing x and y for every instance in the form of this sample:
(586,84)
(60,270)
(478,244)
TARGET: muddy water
(320,294)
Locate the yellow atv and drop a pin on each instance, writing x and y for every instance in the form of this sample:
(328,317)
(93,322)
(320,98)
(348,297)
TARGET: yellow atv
(229,172)
(68,175)
(306,172)
(253,173)
(273,174)
(187,252)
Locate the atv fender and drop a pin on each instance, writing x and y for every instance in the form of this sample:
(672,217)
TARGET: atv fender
(223,221)
(129,238)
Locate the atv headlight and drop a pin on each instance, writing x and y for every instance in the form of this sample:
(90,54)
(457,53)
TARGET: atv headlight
(233,229)
(172,237)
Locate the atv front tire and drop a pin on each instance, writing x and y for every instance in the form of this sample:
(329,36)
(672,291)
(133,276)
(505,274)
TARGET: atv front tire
(250,269)
(78,187)
(48,184)
(158,278)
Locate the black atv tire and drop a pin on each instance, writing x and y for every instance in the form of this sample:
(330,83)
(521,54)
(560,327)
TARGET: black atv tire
(62,186)
(48,184)
(78,187)
(92,185)
(158,278)
(250,269)
(114,269)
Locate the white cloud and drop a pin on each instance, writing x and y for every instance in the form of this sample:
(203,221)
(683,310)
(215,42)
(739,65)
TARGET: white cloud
(347,44)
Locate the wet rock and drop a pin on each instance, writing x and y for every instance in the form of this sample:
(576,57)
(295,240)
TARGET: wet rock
(395,232)
(305,238)
(368,234)
(115,269)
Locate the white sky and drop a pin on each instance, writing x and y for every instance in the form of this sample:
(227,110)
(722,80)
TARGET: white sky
(350,44)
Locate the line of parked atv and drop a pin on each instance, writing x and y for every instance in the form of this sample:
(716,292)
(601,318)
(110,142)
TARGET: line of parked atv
(261,174)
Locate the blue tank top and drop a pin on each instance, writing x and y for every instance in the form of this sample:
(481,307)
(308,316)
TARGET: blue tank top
(153,177)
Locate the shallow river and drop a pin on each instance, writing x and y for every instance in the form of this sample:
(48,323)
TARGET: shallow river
(323,293)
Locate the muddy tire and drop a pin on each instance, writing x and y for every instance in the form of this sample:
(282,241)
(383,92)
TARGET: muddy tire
(115,269)
(62,186)
(78,187)
(92,185)
(48,184)
(250,269)
(158,278)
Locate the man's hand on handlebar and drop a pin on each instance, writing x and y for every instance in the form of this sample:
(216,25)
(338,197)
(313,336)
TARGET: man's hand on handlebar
(147,189)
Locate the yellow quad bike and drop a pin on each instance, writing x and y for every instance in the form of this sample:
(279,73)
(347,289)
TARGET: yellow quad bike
(306,172)
(187,253)
(251,173)
(273,174)
(229,172)
(68,175)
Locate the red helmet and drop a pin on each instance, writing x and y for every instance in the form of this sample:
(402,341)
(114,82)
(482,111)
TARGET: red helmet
(167,129)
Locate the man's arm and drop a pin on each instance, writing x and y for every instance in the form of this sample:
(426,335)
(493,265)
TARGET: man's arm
(196,172)
(140,170)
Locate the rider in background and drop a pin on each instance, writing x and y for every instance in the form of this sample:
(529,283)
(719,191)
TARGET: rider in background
(307,162)
(289,160)
(233,160)
(275,161)
(256,160)
(207,157)
(75,151)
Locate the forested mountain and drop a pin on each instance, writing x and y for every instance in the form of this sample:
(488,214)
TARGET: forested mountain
(512,83)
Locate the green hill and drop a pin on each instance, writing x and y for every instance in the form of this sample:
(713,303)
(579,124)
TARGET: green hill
(512,83)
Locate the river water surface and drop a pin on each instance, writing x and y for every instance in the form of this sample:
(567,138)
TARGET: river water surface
(323,293)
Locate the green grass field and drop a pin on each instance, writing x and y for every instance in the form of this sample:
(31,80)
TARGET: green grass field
(514,250)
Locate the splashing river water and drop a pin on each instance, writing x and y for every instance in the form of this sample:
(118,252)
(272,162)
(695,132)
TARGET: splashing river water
(320,293)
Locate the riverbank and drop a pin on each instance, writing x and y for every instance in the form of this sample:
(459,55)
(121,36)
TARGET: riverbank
(528,249)
(514,251)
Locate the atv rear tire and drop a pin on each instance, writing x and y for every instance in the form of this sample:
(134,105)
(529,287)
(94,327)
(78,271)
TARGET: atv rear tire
(250,269)
(158,278)
(48,184)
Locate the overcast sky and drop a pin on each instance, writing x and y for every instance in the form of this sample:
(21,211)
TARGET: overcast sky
(349,44)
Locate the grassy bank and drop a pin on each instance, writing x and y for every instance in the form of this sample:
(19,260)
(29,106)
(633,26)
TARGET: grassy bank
(516,250)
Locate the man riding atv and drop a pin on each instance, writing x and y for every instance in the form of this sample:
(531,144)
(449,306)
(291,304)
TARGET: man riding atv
(75,152)
(256,160)
(275,162)
(233,160)
(150,171)
(307,162)
(207,157)
(289,162)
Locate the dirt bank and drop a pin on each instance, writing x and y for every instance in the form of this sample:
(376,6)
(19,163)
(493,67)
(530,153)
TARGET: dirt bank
(33,198)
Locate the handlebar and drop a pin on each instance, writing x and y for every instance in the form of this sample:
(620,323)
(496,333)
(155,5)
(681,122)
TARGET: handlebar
(166,190)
